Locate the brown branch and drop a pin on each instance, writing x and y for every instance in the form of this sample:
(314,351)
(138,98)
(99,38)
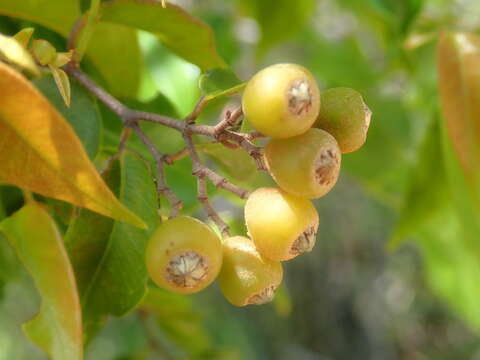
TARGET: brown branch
(125,135)
(219,132)
(162,188)
(200,170)
(211,213)
(254,151)
(197,110)
(171,158)
(229,120)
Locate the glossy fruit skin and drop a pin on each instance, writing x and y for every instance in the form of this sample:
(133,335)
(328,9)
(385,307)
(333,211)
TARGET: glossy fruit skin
(281,225)
(247,277)
(177,237)
(282,100)
(346,116)
(306,165)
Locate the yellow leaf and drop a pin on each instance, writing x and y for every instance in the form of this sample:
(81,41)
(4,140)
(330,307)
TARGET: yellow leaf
(63,83)
(39,151)
(459,83)
(16,54)
(23,36)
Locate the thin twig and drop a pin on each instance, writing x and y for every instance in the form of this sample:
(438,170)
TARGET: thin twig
(254,151)
(211,213)
(199,170)
(171,158)
(202,173)
(230,119)
(220,133)
(197,110)
(126,133)
(162,188)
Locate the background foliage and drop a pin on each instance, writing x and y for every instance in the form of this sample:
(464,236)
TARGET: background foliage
(394,274)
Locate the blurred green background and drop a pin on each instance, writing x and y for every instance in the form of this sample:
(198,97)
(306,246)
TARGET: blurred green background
(394,274)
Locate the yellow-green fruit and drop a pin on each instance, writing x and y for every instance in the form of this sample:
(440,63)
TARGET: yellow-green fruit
(281,225)
(184,255)
(282,100)
(43,51)
(306,165)
(346,116)
(247,277)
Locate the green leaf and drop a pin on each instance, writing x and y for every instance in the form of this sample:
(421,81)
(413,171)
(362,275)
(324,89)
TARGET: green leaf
(452,268)
(58,15)
(218,80)
(427,193)
(278,19)
(236,163)
(115,51)
(83,114)
(63,84)
(459,84)
(44,154)
(107,256)
(58,327)
(178,319)
(184,34)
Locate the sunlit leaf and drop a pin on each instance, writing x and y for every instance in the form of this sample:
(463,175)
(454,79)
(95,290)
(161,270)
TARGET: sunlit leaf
(83,114)
(182,33)
(39,151)
(108,256)
(15,53)
(58,326)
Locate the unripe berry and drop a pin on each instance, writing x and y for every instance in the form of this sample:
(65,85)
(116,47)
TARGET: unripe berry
(346,116)
(306,165)
(184,255)
(247,277)
(281,225)
(43,51)
(282,100)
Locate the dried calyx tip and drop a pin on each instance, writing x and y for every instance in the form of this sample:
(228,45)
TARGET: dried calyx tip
(187,269)
(305,242)
(263,297)
(325,165)
(299,97)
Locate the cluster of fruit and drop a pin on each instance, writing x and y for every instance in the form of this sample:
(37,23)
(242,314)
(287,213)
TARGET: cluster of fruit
(303,156)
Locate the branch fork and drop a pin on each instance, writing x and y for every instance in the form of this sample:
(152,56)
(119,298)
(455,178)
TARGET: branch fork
(220,132)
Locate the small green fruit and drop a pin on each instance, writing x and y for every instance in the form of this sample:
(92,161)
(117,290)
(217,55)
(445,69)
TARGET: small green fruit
(184,255)
(247,277)
(306,165)
(43,51)
(281,225)
(345,115)
(282,100)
